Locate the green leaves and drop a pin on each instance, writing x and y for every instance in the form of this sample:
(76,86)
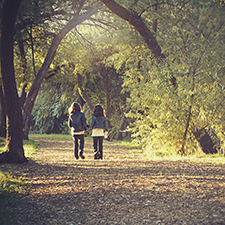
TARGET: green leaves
(192,60)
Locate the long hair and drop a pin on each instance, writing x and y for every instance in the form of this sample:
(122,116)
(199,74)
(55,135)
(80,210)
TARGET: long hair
(75,106)
(98,111)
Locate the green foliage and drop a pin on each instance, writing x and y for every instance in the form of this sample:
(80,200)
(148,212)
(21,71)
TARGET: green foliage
(192,42)
(30,148)
(191,35)
(50,112)
(93,72)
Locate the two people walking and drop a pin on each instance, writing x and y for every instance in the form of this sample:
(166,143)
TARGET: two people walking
(78,125)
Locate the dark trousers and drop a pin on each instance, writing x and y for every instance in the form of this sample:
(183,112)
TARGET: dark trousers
(78,140)
(97,143)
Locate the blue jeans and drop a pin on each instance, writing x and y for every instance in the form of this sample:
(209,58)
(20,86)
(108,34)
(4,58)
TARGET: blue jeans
(76,140)
(97,143)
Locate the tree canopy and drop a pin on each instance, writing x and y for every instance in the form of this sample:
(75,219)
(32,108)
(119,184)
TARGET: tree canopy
(158,63)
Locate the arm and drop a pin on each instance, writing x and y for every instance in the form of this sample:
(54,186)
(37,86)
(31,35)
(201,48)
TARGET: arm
(106,125)
(69,122)
(83,119)
(106,128)
(92,122)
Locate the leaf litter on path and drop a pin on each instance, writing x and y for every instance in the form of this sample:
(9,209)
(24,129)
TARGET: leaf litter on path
(123,188)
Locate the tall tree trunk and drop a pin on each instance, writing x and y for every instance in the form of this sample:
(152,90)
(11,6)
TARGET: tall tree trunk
(29,104)
(104,75)
(121,127)
(14,138)
(182,150)
(3,114)
(24,68)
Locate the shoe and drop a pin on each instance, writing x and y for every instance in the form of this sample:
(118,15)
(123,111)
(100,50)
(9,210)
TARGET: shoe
(96,155)
(82,157)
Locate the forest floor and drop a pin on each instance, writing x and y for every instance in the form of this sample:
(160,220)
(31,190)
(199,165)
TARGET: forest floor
(123,188)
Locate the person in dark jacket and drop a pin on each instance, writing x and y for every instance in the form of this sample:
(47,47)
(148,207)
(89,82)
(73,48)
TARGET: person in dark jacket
(78,125)
(99,130)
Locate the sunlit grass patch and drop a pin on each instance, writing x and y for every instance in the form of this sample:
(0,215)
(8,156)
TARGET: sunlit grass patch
(198,156)
(127,143)
(136,151)
(66,136)
(51,135)
(30,147)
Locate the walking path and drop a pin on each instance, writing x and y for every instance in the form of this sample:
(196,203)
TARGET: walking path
(121,189)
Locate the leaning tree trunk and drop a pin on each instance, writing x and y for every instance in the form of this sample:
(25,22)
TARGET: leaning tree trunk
(14,137)
(137,22)
(205,141)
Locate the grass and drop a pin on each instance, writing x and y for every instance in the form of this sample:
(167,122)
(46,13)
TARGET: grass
(67,136)
(198,156)
(30,147)
(127,143)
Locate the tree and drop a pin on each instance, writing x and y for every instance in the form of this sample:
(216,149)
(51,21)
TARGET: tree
(33,92)
(187,47)
(14,139)
(15,152)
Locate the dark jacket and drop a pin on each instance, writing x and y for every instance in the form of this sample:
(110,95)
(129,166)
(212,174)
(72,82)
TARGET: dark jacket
(99,122)
(77,122)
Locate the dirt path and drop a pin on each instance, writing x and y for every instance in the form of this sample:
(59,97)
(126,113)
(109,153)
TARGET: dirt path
(120,189)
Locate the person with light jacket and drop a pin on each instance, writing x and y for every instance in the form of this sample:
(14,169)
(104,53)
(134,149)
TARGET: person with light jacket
(99,130)
(78,125)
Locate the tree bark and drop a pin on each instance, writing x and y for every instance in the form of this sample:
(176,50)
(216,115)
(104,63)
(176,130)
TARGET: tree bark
(14,137)
(3,114)
(28,106)
(23,67)
(182,150)
(105,79)
(120,130)
(205,141)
